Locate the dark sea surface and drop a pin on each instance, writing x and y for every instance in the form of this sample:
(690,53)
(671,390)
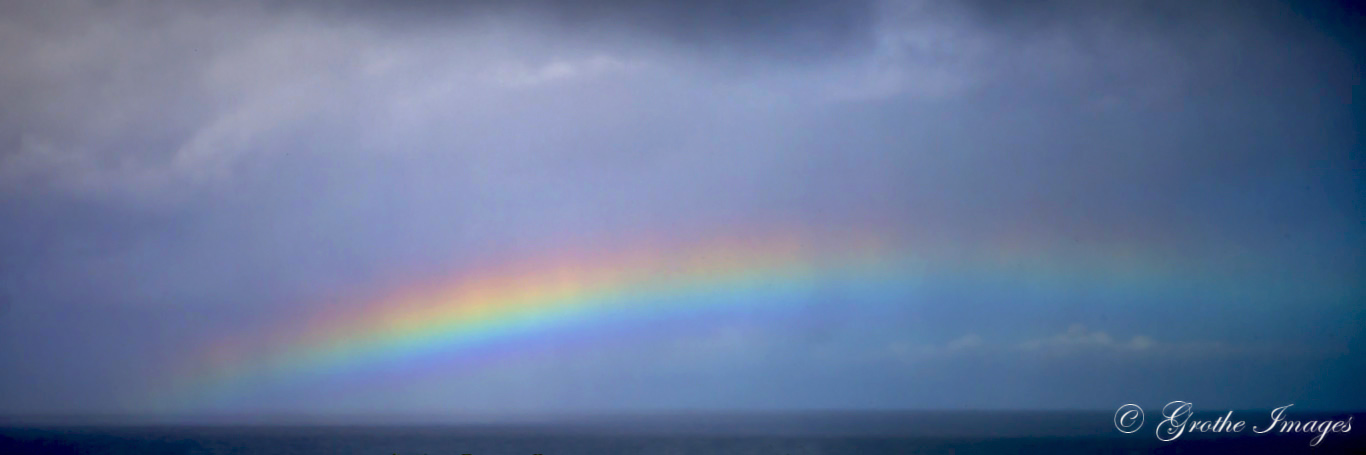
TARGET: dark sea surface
(794,434)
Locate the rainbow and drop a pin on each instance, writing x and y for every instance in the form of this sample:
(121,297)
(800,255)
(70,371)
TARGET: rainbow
(654,283)
(502,303)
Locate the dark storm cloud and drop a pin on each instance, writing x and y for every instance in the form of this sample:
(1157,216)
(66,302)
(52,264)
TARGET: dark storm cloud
(1165,17)
(800,29)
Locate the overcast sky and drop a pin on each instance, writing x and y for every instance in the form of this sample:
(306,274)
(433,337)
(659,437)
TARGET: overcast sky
(174,173)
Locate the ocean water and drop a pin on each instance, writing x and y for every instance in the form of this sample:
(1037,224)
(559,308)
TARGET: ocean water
(787,434)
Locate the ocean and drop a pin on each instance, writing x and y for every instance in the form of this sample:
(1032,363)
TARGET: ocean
(729,434)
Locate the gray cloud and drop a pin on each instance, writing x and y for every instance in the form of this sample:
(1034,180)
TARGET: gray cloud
(240,122)
(769,29)
(149,96)
(1079,341)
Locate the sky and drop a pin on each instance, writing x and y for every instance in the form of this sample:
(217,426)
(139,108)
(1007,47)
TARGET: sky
(530,207)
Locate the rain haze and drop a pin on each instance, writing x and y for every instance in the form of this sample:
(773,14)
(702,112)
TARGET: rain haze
(421,208)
